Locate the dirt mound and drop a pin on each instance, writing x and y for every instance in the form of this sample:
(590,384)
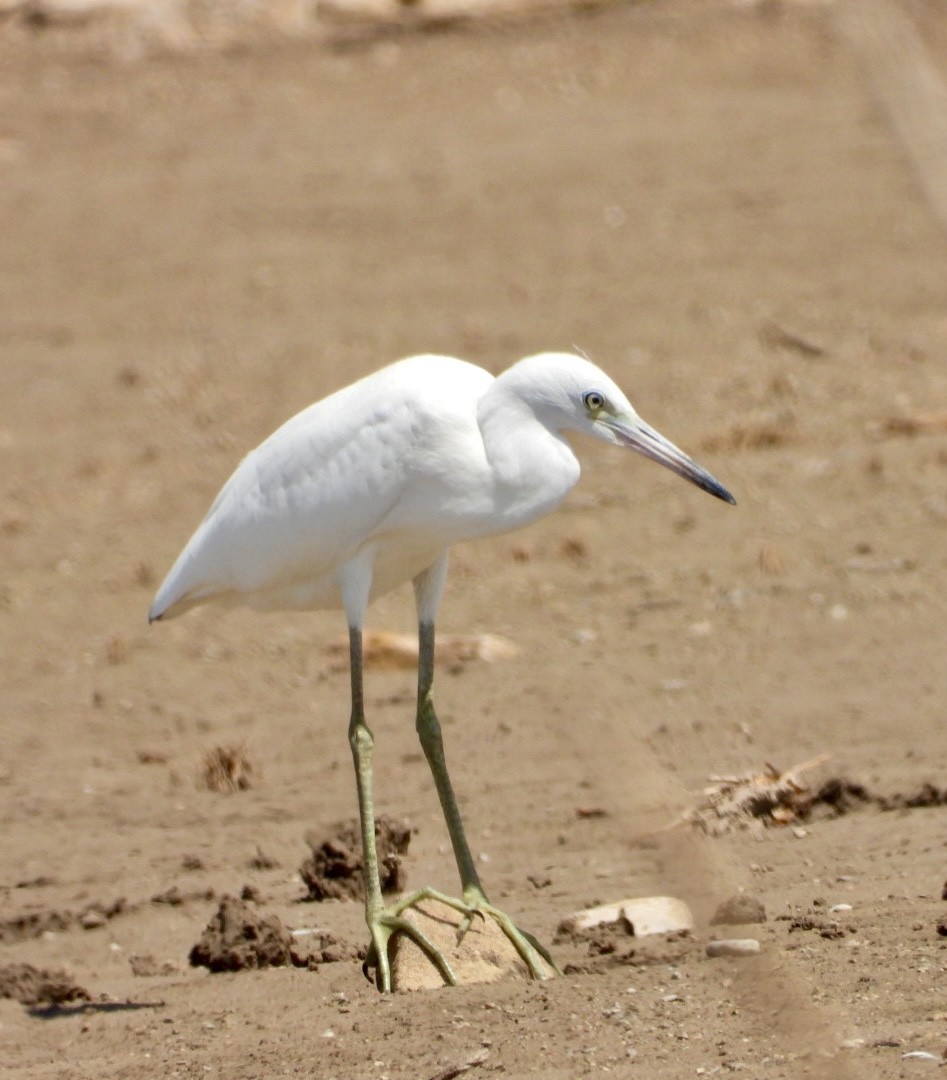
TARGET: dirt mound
(334,870)
(238,938)
(38,986)
(34,924)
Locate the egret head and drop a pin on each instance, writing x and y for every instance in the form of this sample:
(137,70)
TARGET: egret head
(568,392)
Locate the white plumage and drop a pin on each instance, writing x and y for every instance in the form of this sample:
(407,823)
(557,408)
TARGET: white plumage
(369,488)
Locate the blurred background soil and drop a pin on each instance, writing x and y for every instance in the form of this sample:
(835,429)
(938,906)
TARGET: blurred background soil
(207,224)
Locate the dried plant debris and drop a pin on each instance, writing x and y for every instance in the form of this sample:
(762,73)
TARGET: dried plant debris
(753,800)
(334,869)
(228,769)
(38,987)
(771,798)
(239,938)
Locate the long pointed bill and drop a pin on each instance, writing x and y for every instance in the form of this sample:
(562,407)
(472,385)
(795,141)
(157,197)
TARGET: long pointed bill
(635,433)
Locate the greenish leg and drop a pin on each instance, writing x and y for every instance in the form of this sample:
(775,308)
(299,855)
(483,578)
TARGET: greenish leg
(362,743)
(475,902)
(382,922)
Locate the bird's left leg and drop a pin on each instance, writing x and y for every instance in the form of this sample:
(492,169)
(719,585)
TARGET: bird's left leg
(474,902)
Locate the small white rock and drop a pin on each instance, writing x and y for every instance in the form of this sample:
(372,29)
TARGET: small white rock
(733,947)
(645,915)
(840,907)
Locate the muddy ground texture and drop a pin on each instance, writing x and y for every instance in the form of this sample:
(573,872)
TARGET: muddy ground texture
(711,201)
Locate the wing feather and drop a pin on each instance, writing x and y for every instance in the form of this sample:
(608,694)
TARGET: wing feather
(302,504)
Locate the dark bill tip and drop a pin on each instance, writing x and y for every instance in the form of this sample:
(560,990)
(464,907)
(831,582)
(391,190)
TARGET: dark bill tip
(713,487)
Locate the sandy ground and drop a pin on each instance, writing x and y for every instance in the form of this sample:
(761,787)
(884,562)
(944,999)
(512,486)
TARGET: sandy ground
(711,201)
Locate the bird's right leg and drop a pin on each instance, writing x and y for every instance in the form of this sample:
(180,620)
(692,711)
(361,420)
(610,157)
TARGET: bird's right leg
(383,923)
(428,589)
(535,956)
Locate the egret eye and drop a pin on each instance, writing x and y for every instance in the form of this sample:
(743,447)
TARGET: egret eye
(594,400)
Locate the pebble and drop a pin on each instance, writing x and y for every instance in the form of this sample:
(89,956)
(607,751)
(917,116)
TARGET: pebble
(733,947)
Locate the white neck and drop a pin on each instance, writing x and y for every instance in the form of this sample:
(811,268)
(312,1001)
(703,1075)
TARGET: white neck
(533,465)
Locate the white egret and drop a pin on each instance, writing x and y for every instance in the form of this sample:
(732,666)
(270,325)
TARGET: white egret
(369,488)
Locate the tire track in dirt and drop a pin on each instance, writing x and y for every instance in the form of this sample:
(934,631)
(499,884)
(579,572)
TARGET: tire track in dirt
(775,989)
(908,86)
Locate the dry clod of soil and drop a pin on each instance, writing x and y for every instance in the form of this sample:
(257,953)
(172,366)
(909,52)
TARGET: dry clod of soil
(262,861)
(151,757)
(147,967)
(36,986)
(34,924)
(927,795)
(828,929)
(334,869)
(238,938)
(739,910)
(173,896)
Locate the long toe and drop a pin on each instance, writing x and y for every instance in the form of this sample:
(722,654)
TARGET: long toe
(388,929)
(481,942)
